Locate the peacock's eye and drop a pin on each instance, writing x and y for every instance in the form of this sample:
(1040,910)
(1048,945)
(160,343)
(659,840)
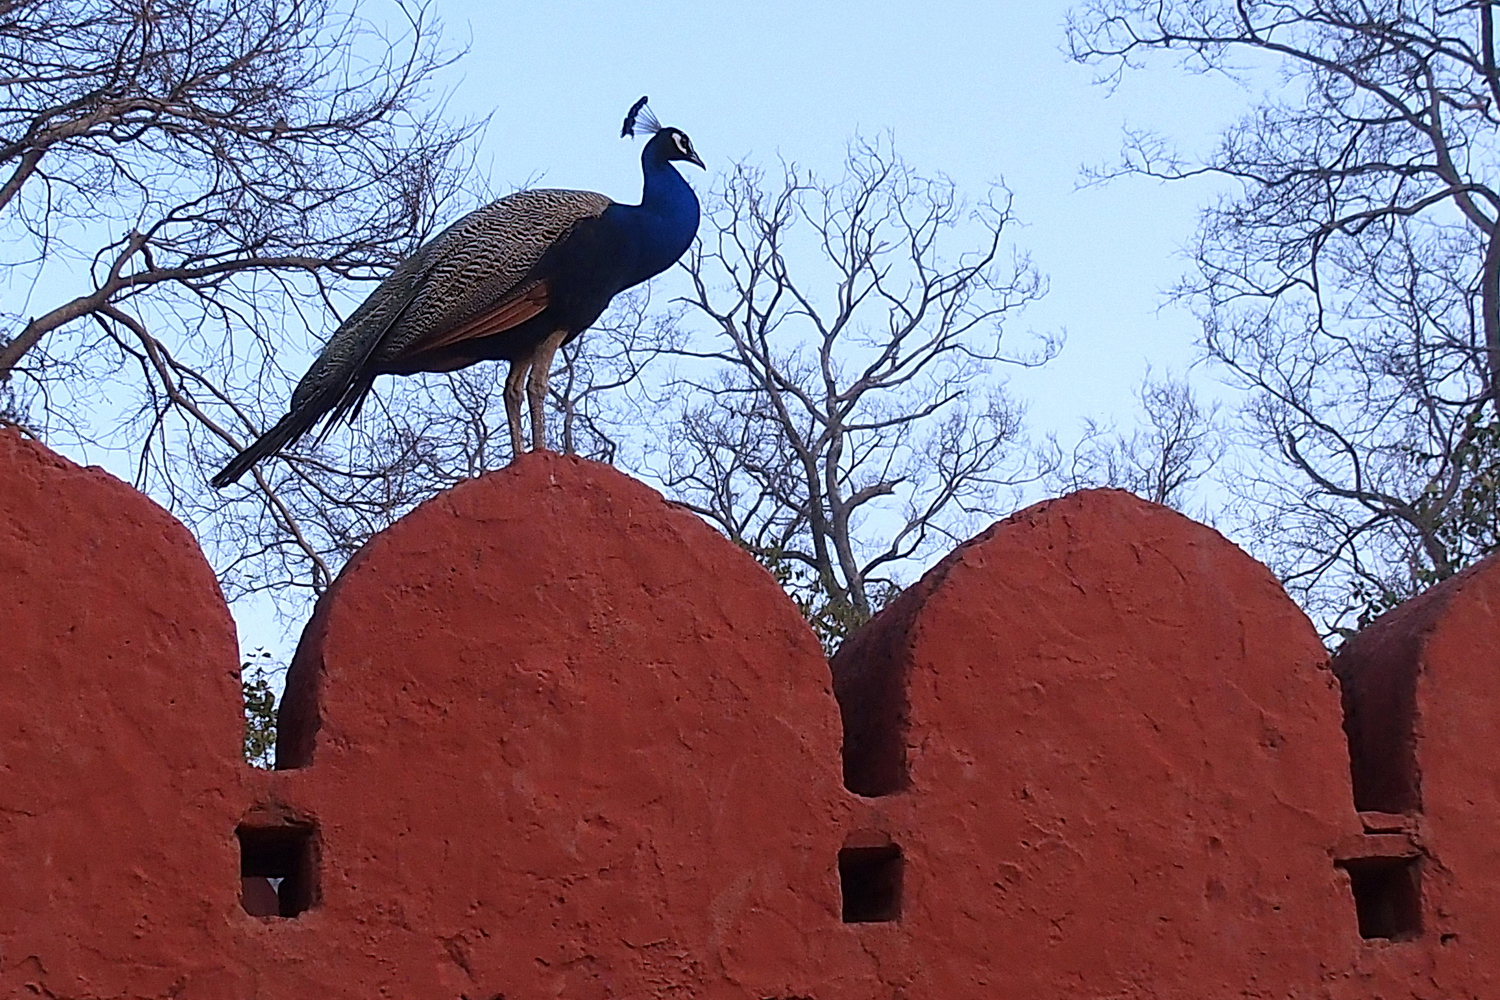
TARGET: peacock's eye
(683,146)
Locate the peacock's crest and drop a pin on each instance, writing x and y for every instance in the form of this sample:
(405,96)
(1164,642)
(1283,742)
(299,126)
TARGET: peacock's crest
(640,121)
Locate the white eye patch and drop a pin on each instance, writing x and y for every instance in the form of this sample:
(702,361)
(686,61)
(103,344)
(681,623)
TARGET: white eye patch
(683,146)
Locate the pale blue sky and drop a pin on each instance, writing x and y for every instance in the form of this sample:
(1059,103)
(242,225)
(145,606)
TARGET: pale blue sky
(979,91)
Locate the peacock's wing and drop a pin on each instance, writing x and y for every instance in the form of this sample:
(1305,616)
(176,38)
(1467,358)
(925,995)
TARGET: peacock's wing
(479,280)
(472,280)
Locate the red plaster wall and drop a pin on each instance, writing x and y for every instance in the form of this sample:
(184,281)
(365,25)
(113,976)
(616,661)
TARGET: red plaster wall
(1421,690)
(119,737)
(556,738)
(1121,773)
(565,742)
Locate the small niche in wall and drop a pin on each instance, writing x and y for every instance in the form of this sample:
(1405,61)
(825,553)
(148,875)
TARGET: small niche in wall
(278,869)
(870,880)
(1387,896)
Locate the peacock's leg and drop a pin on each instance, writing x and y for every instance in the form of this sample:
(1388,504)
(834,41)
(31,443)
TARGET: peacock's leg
(536,385)
(514,383)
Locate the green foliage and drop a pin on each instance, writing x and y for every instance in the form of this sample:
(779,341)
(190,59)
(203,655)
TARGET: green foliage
(260,709)
(833,619)
(1465,520)
(1468,524)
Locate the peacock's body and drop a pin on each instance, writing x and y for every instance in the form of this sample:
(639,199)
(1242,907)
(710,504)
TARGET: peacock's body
(512,281)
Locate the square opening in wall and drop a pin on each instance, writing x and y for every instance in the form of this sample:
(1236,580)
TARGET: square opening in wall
(870,878)
(278,869)
(1387,897)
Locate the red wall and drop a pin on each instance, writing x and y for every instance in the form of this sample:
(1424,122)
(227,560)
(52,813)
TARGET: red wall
(551,736)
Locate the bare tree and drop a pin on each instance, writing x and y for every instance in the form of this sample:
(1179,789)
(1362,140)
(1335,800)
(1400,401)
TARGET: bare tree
(186,185)
(847,416)
(1178,443)
(1351,278)
(599,394)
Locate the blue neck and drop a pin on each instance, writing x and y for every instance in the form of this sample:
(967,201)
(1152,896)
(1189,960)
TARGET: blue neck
(664,192)
(666,220)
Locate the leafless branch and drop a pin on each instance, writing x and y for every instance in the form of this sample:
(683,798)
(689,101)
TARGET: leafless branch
(851,418)
(1350,280)
(187,188)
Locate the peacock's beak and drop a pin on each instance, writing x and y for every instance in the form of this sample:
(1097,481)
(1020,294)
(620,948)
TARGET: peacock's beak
(693,158)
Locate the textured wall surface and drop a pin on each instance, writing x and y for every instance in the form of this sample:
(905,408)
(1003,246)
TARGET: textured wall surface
(1122,763)
(561,740)
(550,736)
(120,729)
(1422,700)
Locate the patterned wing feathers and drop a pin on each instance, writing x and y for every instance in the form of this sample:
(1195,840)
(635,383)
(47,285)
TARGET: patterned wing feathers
(482,261)
(507,314)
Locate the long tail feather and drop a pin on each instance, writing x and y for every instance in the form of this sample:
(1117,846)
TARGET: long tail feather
(348,406)
(287,430)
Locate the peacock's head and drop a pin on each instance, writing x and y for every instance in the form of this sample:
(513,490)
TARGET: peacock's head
(666,142)
(676,146)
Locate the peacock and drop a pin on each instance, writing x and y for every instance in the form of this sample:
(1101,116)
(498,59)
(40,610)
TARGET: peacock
(513,281)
